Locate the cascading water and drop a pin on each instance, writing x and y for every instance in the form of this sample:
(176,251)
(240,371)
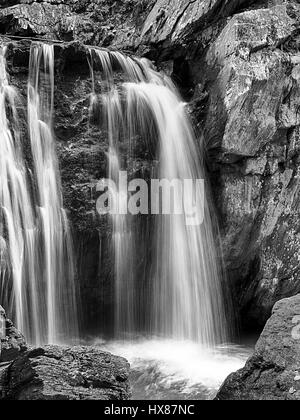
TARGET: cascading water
(36,260)
(18,240)
(122,229)
(187,299)
(184,297)
(60,315)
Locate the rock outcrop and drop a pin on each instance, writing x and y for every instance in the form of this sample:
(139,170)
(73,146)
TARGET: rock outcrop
(12,342)
(273,373)
(238,63)
(252,75)
(178,24)
(96,22)
(58,373)
(61,373)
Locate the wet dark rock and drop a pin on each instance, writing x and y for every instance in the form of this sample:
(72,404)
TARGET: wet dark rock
(251,72)
(61,373)
(273,372)
(11,340)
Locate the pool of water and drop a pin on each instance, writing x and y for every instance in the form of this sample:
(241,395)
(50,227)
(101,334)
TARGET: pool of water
(176,370)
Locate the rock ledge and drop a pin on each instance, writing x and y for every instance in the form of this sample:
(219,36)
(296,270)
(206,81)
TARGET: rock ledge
(273,373)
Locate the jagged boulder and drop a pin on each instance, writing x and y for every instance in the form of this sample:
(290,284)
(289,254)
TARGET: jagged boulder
(62,373)
(273,373)
(174,23)
(12,342)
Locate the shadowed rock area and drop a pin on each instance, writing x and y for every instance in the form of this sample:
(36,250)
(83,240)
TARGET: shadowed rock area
(273,373)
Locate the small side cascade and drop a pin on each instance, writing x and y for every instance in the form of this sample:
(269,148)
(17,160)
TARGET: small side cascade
(36,256)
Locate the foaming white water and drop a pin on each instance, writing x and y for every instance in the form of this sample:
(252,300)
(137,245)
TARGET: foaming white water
(178,369)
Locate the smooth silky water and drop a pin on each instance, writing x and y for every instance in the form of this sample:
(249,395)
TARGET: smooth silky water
(36,255)
(18,254)
(59,314)
(184,296)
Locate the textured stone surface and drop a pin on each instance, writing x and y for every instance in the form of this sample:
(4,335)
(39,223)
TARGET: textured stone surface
(252,79)
(61,373)
(36,18)
(273,373)
(96,22)
(172,22)
(12,342)
(252,130)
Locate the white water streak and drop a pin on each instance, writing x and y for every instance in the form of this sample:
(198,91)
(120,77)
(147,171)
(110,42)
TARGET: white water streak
(185,299)
(61,318)
(17,223)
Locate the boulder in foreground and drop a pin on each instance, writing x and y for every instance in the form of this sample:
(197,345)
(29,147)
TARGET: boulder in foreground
(273,373)
(62,373)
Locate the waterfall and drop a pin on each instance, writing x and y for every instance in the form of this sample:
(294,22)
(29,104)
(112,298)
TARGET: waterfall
(122,228)
(182,297)
(187,298)
(17,222)
(167,279)
(57,254)
(36,256)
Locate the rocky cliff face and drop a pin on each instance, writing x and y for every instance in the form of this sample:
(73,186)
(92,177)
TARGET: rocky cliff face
(273,372)
(252,128)
(238,63)
(96,22)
